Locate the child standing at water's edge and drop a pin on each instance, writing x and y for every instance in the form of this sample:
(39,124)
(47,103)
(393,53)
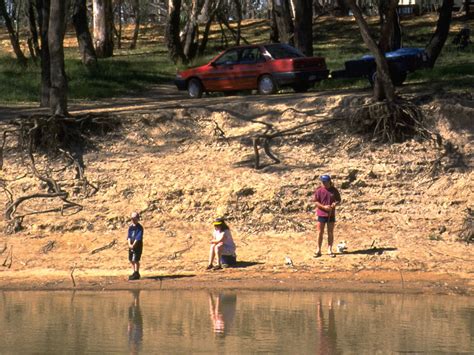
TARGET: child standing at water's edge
(135,245)
(326,197)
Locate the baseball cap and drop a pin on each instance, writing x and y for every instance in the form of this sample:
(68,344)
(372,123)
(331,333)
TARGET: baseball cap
(325,177)
(218,221)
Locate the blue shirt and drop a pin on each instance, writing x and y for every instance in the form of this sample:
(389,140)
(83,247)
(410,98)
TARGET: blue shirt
(135,233)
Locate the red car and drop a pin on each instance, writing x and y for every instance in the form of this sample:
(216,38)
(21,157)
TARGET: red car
(264,67)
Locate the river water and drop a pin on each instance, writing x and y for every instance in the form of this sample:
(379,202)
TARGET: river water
(211,322)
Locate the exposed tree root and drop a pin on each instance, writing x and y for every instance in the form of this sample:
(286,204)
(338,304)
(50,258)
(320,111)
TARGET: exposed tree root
(53,139)
(390,122)
(264,139)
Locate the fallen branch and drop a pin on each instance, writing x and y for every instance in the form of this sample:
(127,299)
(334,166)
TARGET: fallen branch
(48,247)
(182,251)
(108,246)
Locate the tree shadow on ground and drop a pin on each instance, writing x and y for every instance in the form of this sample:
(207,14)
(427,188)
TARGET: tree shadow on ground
(370,251)
(166,277)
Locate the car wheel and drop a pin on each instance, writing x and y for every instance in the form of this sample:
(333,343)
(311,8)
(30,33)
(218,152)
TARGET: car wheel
(266,85)
(195,88)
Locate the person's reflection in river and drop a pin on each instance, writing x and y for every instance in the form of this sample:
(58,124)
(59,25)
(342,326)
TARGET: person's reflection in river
(135,324)
(222,308)
(326,329)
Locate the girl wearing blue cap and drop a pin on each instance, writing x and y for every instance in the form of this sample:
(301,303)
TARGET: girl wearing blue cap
(326,197)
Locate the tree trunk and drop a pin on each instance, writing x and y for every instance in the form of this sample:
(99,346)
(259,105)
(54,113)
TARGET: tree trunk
(118,32)
(42,7)
(342,9)
(103,28)
(274,26)
(390,38)
(175,49)
(84,39)
(281,9)
(189,44)
(136,11)
(12,34)
(238,9)
(57,28)
(304,26)
(208,13)
(383,88)
(434,47)
(33,42)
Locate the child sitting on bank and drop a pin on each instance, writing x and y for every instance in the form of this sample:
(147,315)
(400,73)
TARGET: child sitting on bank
(221,244)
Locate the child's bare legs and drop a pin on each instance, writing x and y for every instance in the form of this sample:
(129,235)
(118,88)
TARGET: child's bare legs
(215,251)
(330,236)
(321,226)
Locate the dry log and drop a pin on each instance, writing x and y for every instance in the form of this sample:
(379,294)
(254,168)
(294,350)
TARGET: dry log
(108,246)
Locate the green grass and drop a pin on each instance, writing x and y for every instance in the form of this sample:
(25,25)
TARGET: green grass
(135,71)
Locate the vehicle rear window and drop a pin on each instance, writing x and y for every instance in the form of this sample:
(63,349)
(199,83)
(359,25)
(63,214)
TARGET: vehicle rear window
(283,51)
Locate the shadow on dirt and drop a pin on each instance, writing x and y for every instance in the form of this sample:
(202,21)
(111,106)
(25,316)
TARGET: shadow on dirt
(244,264)
(370,251)
(166,277)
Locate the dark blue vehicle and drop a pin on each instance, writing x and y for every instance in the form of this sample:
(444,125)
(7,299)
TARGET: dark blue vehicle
(400,62)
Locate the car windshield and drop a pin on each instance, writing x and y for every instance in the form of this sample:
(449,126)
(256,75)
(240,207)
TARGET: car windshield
(283,51)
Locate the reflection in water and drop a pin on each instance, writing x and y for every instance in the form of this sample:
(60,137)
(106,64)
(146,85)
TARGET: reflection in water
(222,309)
(135,324)
(326,329)
(182,322)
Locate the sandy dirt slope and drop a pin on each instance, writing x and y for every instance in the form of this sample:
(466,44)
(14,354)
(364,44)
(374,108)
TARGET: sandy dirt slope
(182,162)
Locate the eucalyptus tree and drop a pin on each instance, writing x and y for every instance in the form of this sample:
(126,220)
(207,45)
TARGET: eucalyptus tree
(184,43)
(56,31)
(13,34)
(304,26)
(383,86)
(436,43)
(103,26)
(391,38)
(84,38)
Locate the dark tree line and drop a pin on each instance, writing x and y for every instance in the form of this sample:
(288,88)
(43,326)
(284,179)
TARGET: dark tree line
(188,25)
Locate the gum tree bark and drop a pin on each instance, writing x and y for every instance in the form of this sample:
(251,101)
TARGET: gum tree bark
(175,49)
(136,12)
(103,28)
(33,42)
(56,30)
(383,86)
(12,34)
(304,26)
(189,43)
(434,47)
(84,38)
(391,37)
(282,14)
(42,7)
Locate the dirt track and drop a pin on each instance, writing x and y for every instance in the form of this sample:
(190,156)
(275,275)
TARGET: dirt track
(182,162)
